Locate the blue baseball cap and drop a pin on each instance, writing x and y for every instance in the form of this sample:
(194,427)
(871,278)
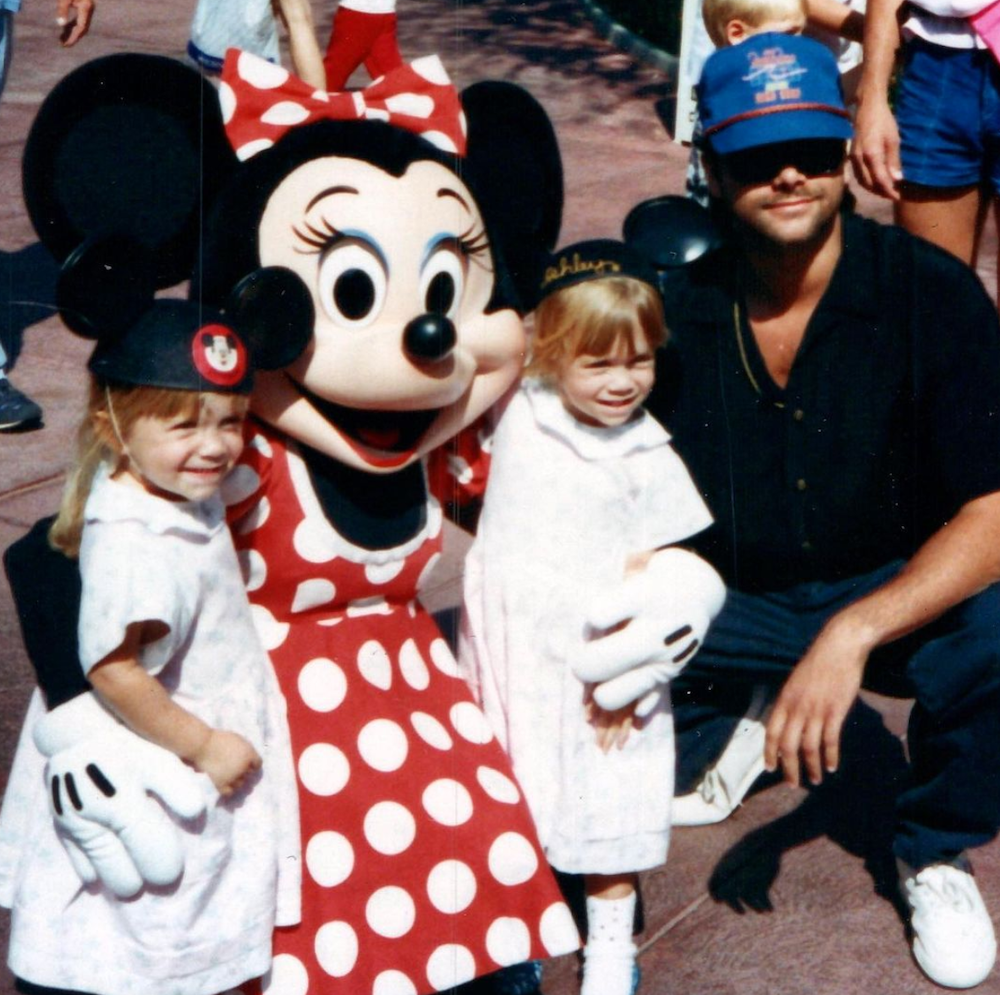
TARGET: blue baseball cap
(771,88)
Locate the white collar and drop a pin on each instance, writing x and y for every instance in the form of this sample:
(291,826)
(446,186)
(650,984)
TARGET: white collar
(113,501)
(592,442)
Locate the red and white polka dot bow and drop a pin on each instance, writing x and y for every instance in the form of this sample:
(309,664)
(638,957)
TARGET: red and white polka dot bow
(261,101)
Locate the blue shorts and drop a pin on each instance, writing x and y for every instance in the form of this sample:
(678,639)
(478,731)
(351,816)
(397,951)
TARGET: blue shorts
(948,111)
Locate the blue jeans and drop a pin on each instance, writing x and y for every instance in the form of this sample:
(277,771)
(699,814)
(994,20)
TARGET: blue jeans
(951,667)
(948,112)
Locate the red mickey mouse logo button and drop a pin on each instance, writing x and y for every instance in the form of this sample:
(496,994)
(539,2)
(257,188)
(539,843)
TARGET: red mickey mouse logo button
(219,355)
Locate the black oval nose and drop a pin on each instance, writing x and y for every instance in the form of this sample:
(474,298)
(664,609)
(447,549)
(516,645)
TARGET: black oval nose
(429,338)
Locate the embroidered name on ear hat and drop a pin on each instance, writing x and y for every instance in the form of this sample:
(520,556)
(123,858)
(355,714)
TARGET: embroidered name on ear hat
(771,88)
(594,260)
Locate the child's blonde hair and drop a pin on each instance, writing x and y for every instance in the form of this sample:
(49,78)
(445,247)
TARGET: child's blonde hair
(718,13)
(99,441)
(590,318)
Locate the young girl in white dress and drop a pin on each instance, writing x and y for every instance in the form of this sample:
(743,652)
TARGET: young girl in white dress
(583,488)
(167,641)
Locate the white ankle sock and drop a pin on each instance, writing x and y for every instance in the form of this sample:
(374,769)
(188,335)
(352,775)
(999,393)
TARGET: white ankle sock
(609,957)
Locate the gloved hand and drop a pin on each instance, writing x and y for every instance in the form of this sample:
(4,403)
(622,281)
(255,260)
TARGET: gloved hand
(668,608)
(100,775)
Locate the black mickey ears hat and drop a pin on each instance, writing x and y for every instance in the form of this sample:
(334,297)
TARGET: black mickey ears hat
(106,292)
(593,260)
(671,231)
(179,345)
(128,144)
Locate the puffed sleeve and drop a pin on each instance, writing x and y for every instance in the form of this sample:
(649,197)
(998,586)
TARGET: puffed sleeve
(127,580)
(669,508)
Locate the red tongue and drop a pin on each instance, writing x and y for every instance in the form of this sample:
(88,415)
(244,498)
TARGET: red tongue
(385,438)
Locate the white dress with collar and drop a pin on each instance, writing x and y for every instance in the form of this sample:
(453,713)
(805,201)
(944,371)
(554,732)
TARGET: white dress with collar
(144,558)
(565,506)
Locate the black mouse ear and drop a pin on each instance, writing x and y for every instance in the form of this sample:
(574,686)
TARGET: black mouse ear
(129,144)
(515,171)
(104,286)
(273,310)
(671,231)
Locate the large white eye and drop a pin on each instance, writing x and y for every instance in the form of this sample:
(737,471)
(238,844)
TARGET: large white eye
(352,283)
(442,282)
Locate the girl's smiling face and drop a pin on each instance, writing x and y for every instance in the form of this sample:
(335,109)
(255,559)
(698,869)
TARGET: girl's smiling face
(606,390)
(184,458)
(381,254)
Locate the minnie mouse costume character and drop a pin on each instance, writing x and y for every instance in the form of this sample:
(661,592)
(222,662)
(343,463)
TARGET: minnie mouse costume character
(421,866)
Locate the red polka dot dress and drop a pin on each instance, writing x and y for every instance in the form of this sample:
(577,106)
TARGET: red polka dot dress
(421,865)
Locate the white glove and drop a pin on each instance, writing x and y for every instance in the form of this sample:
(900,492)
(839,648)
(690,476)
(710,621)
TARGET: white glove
(668,607)
(100,775)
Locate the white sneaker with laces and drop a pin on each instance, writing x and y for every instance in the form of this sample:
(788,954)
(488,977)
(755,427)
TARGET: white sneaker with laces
(724,785)
(953,938)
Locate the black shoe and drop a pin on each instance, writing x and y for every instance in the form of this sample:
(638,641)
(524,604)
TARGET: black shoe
(17,411)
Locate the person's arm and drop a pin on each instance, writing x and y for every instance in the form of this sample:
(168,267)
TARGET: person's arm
(959,560)
(836,17)
(142,702)
(73,17)
(875,149)
(307,59)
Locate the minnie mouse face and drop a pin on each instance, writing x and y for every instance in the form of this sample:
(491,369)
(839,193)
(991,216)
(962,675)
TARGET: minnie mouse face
(404,353)
(407,257)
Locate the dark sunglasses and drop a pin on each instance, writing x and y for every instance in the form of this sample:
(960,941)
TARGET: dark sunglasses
(811,157)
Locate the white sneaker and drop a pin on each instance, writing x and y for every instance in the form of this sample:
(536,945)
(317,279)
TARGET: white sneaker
(724,786)
(953,938)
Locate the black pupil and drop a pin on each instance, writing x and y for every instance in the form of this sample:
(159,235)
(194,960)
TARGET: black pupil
(440,294)
(354,294)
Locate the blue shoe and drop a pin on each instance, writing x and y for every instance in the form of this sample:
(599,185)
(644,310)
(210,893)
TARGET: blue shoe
(17,411)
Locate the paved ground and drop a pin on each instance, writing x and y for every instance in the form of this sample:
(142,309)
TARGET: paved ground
(789,896)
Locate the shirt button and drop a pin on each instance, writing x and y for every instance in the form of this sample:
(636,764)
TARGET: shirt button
(798,414)
(800,484)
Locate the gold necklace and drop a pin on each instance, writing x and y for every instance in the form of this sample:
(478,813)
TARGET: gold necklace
(738,328)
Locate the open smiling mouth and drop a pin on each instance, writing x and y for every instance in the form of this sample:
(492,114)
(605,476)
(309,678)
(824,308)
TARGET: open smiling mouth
(372,432)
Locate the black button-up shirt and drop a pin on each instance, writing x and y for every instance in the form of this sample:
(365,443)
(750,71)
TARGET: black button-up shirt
(889,423)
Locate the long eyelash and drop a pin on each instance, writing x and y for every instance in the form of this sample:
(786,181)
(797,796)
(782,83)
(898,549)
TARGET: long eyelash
(319,239)
(472,242)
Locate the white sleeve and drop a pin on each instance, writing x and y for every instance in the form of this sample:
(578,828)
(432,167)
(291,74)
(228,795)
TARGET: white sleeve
(670,509)
(126,579)
(953,8)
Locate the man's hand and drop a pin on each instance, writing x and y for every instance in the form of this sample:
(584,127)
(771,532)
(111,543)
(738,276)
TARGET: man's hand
(809,714)
(875,149)
(73,18)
